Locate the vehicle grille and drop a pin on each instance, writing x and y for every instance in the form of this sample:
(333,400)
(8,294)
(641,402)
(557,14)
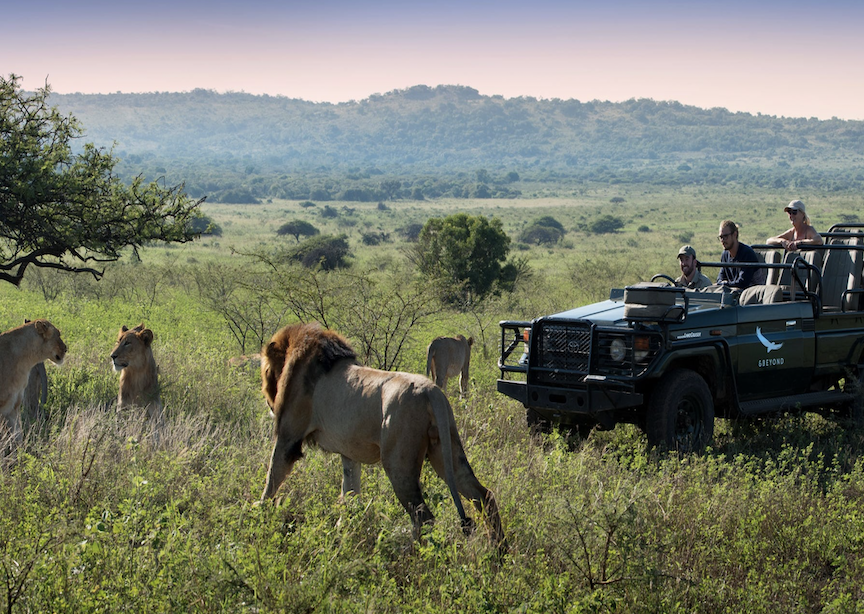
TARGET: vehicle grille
(563,353)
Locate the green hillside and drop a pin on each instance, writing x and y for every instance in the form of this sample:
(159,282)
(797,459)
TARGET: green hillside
(451,141)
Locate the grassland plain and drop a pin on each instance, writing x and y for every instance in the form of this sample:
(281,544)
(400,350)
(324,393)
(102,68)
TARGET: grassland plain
(98,519)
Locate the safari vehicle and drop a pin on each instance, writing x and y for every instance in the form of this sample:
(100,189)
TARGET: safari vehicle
(670,359)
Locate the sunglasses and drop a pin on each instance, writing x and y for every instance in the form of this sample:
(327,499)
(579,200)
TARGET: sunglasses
(724,236)
(792,211)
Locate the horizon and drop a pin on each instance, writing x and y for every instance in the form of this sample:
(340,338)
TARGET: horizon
(402,89)
(787,59)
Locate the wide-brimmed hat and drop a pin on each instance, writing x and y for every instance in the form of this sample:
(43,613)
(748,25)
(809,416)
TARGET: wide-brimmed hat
(688,250)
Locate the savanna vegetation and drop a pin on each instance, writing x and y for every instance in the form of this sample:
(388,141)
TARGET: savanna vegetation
(97,516)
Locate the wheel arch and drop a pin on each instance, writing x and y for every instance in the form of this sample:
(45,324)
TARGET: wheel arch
(710,362)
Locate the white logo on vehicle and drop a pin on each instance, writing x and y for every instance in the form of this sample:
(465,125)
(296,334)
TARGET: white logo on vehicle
(690,335)
(769,345)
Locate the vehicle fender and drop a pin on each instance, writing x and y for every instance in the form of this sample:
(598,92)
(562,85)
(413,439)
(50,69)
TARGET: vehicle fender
(711,361)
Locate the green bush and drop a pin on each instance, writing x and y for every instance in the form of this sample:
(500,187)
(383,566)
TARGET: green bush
(326,251)
(606,224)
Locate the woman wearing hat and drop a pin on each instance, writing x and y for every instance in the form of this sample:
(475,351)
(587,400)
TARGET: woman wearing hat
(801,233)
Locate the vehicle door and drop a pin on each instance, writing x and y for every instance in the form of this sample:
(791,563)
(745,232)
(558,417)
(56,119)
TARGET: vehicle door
(775,349)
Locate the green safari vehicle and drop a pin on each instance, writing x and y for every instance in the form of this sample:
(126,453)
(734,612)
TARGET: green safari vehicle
(670,360)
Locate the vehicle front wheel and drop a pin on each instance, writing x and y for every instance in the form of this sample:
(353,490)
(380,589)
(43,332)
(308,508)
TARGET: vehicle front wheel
(681,413)
(539,424)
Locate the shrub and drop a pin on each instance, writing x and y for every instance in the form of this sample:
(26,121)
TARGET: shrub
(606,224)
(410,232)
(329,212)
(205,226)
(539,235)
(325,251)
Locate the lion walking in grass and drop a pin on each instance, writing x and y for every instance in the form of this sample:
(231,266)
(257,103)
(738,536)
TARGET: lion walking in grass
(320,395)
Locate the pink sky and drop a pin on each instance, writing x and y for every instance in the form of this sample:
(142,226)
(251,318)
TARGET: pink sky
(790,58)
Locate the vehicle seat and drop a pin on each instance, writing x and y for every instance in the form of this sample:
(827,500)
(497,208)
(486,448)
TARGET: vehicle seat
(761,295)
(812,256)
(841,276)
(770,256)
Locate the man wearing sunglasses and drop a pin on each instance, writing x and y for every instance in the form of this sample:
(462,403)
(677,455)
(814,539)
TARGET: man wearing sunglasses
(735,251)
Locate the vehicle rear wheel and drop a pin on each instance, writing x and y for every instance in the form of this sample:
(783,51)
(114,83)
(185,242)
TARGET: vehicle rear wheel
(681,413)
(854,386)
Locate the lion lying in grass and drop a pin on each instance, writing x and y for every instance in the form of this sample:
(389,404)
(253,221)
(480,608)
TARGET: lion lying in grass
(320,395)
(21,349)
(132,357)
(448,357)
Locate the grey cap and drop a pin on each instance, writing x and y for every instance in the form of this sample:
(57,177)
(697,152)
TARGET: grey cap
(687,249)
(795,205)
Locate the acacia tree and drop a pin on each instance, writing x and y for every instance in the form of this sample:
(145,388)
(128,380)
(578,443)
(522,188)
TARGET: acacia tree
(295,228)
(65,210)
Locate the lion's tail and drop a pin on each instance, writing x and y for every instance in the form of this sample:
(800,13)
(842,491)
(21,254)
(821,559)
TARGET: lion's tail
(443,417)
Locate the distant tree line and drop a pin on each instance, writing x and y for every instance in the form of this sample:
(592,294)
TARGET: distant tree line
(432,142)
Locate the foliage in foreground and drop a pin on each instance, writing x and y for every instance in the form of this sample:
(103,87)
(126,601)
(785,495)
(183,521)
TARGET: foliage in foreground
(97,518)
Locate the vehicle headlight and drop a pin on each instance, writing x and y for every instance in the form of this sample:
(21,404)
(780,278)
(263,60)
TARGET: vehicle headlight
(618,350)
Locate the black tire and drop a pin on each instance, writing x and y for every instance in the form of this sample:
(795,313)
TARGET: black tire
(854,386)
(536,422)
(580,430)
(539,424)
(681,413)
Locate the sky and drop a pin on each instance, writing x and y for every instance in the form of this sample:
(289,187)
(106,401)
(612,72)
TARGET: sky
(789,58)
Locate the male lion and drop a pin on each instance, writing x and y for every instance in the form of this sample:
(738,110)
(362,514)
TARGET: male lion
(448,357)
(21,349)
(132,357)
(320,395)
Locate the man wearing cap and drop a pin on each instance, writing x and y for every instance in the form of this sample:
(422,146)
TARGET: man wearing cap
(735,251)
(691,276)
(801,233)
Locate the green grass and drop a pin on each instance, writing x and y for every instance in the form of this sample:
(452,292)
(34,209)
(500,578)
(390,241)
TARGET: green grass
(98,518)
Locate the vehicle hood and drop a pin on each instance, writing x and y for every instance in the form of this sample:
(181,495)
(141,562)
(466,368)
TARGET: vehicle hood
(702,310)
(610,313)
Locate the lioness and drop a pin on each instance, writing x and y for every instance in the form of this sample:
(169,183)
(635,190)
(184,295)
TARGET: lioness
(320,395)
(448,357)
(35,394)
(132,357)
(21,349)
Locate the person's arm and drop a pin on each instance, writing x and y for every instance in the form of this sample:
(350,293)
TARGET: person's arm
(721,275)
(781,239)
(811,237)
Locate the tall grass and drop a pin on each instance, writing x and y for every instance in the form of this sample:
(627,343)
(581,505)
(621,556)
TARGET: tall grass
(98,516)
